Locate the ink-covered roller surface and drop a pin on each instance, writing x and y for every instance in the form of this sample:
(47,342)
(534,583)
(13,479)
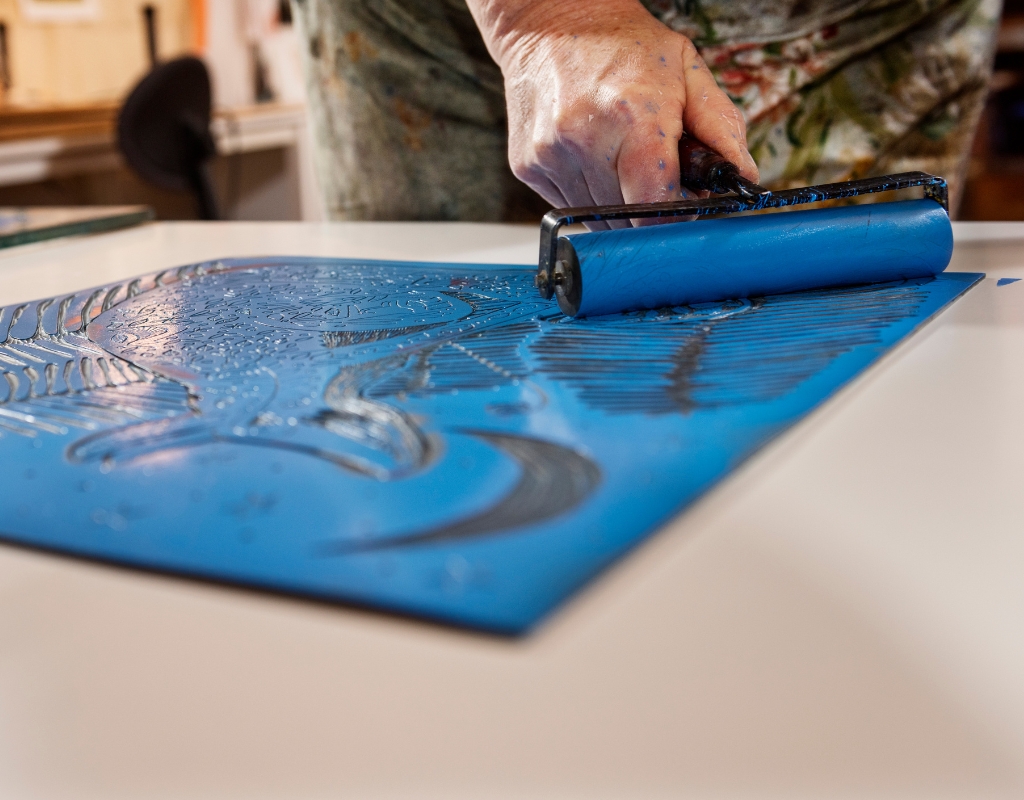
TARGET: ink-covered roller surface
(753,256)
(425,438)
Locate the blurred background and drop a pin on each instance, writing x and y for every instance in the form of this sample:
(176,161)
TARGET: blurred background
(993,189)
(67,66)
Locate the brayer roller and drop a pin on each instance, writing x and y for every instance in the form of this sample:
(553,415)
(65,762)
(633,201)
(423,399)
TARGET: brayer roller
(700,261)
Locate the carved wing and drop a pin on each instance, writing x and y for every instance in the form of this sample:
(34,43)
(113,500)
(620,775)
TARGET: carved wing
(53,377)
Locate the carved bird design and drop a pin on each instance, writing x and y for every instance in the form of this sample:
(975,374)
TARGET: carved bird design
(328,359)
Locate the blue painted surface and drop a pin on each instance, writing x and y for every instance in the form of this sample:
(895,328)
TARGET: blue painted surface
(753,256)
(1006,281)
(431,439)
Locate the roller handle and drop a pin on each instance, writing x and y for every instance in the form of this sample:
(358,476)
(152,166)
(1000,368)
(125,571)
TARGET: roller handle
(701,168)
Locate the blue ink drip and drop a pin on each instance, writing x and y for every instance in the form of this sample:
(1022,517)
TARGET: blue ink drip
(1006,281)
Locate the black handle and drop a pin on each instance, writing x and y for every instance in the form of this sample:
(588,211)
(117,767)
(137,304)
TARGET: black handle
(703,168)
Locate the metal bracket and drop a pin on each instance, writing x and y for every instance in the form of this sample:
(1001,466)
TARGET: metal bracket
(547,277)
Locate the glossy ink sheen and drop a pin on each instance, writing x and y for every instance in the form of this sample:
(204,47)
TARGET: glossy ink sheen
(434,439)
(753,256)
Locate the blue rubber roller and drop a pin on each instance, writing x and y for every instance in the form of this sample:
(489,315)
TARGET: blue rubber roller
(709,260)
(704,261)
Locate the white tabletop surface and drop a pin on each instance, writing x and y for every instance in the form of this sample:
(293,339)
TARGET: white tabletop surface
(843,617)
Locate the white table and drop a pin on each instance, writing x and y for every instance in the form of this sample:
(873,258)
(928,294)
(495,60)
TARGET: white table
(843,617)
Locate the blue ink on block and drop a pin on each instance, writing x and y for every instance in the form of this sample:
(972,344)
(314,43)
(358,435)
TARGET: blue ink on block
(1006,281)
(426,438)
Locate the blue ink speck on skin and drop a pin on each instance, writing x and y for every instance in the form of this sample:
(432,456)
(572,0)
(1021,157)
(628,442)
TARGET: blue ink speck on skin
(670,187)
(661,133)
(623,102)
(1006,281)
(663,60)
(661,165)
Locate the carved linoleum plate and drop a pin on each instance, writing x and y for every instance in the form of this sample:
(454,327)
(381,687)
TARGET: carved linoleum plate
(425,438)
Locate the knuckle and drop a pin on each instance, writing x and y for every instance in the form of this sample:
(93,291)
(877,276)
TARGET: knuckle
(520,160)
(569,122)
(535,164)
(520,169)
(688,48)
(563,126)
(524,169)
(545,153)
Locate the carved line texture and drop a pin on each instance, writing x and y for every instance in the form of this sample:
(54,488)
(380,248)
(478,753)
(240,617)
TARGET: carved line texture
(45,353)
(56,378)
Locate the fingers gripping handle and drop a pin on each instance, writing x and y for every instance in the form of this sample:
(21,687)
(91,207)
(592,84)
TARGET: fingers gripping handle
(702,168)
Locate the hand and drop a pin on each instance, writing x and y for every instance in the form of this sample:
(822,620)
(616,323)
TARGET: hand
(598,95)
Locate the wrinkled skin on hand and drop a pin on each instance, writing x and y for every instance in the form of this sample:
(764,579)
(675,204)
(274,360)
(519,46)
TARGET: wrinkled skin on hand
(598,95)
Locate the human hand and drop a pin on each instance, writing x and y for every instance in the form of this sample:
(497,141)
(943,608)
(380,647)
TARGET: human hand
(598,95)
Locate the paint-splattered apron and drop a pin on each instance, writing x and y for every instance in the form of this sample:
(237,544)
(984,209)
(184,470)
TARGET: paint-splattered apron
(409,116)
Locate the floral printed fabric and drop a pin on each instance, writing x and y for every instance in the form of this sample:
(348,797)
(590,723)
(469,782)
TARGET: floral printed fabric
(408,110)
(858,88)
